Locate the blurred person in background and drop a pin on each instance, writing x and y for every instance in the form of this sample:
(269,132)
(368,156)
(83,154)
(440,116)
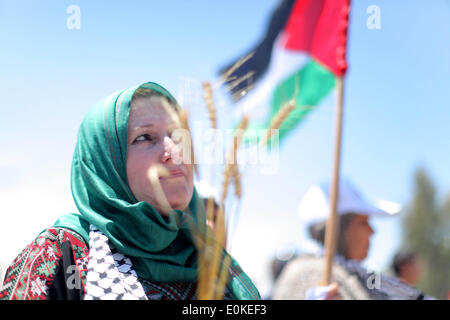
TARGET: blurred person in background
(407,267)
(301,277)
(280,259)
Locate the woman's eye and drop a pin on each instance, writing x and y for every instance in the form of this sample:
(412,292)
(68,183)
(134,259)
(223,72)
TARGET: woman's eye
(144,137)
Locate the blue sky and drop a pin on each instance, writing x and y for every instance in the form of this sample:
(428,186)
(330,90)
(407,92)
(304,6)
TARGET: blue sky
(396,106)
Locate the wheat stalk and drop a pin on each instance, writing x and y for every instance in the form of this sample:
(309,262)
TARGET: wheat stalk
(171,111)
(240,62)
(213,266)
(208,97)
(239,94)
(278,119)
(185,125)
(226,77)
(210,256)
(231,157)
(180,119)
(217,253)
(236,82)
(223,277)
(237,182)
(153,174)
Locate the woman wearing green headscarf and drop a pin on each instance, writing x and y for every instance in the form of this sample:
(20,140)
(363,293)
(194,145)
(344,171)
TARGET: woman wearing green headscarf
(127,242)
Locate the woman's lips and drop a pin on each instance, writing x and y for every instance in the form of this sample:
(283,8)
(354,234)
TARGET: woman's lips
(174,173)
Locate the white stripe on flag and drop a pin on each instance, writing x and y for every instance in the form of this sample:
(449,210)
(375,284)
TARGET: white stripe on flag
(282,65)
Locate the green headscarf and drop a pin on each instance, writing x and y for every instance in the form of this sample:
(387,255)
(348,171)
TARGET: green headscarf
(161,249)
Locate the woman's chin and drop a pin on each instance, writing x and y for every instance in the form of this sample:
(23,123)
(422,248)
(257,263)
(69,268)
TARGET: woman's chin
(179,200)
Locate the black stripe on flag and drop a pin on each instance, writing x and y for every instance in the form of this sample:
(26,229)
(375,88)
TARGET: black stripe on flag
(260,59)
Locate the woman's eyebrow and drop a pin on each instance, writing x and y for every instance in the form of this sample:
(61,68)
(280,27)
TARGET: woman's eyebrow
(170,126)
(143,127)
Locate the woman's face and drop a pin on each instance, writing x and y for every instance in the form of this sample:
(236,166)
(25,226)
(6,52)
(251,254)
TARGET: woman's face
(150,144)
(358,235)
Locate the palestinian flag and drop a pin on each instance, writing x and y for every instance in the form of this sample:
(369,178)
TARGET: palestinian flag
(299,59)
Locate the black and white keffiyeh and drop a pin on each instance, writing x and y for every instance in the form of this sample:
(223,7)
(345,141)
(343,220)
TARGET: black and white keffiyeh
(110,274)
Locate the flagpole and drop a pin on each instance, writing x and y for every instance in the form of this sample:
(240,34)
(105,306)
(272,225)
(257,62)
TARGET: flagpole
(332,227)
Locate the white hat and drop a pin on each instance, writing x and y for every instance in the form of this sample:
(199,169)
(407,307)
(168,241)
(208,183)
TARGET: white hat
(314,206)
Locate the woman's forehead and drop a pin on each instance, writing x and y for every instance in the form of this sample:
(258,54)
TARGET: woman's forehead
(149,111)
(146,103)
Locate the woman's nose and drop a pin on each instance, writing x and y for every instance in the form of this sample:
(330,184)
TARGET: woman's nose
(170,151)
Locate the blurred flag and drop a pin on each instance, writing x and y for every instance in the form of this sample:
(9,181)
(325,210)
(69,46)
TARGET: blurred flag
(299,58)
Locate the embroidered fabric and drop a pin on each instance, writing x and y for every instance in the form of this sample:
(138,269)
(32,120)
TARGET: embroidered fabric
(40,267)
(41,270)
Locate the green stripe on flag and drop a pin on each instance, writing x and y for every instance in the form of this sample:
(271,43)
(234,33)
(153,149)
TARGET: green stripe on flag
(314,82)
